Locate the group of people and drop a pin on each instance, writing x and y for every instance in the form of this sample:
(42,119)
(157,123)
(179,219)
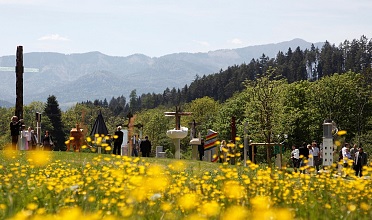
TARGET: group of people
(355,156)
(144,146)
(23,139)
(311,155)
(306,154)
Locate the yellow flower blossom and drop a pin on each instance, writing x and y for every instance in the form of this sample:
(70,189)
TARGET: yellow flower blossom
(210,209)
(233,190)
(351,207)
(126,211)
(342,132)
(188,201)
(31,206)
(166,206)
(2,206)
(364,206)
(236,213)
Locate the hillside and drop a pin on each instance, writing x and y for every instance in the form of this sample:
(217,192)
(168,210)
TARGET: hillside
(88,76)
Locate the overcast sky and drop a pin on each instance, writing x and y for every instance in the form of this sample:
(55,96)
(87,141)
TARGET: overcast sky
(160,27)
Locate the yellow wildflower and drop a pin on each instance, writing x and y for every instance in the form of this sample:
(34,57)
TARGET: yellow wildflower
(188,201)
(210,209)
(236,213)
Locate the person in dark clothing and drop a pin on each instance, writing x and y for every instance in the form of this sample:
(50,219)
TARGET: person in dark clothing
(360,160)
(48,141)
(118,141)
(15,126)
(201,149)
(304,154)
(136,142)
(145,147)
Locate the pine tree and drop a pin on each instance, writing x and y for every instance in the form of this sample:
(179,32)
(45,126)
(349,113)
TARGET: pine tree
(53,112)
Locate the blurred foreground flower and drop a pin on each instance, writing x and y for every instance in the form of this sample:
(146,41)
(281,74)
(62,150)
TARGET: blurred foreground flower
(39,158)
(10,153)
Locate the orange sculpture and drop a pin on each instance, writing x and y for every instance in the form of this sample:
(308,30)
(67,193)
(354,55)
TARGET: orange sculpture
(76,139)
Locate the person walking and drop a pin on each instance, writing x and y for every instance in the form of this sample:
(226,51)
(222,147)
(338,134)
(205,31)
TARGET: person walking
(360,161)
(118,141)
(145,147)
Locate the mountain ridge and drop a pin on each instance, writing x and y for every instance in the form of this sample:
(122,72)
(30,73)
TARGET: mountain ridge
(66,75)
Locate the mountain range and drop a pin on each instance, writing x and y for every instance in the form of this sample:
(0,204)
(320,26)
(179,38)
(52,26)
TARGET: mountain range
(88,76)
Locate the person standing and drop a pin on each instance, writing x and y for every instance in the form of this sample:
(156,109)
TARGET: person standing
(360,161)
(23,144)
(343,151)
(138,144)
(118,141)
(15,125)
(316,155)
(47,141)
(34,140)
(223,151)
(310,161)
(29,134)
(347,157)
(304,154)
(353,150)
(145,147)
(295,156)
(201,149)
(134,146)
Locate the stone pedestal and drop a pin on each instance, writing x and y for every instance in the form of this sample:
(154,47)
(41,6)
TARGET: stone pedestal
(160,152)
(194,144)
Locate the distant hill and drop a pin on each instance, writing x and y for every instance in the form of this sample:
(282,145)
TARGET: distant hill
(79,77)
(5,104)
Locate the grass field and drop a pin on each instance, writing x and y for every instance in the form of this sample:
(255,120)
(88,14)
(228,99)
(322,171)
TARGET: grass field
(67,185)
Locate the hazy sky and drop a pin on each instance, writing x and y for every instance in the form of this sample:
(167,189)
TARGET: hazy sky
(160,27)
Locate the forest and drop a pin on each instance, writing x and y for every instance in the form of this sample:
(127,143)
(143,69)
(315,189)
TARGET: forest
(289,95)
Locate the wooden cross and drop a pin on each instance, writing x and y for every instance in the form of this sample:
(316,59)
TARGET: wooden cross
(177,115)
(19,69)
(130,126)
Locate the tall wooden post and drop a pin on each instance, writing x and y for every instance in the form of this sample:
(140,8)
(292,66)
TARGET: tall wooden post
(19,83)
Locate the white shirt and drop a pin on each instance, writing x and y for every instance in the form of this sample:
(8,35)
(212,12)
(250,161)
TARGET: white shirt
(343,150)
(315,151)
(296,153)
(28,135)
(311,159)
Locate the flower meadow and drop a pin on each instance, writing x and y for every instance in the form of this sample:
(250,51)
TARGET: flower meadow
(65,185)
